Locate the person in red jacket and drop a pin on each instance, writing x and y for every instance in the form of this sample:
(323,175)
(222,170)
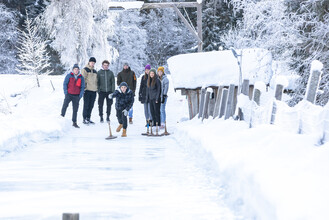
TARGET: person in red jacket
(74,86)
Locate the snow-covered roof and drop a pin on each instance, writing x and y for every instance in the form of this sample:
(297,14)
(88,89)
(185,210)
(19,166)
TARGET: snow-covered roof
(126,5)
(220,68)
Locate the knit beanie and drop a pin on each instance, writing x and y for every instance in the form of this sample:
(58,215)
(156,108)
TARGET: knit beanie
(154,71)
(148,67)
(123,84)
(126,64)
(161,68)
(92,59)
(75,66)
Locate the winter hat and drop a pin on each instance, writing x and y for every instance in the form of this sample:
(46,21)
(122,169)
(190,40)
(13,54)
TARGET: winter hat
(148,67)
(126,64)
(75,66)
(153,70)
(161,68)
(92,59)
(123,84)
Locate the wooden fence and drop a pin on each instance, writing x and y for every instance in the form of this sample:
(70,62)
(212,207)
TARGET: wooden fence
(222,102)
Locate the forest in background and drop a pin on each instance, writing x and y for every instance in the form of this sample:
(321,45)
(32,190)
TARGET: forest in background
(295,31)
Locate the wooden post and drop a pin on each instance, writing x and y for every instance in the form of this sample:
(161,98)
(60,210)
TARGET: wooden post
(203,94)
(278,96)
(256,97)
(70,216)
(244,91)
(223,102)
(199,24)
(206,105)
(312,86)
(193,102)
(218,99)
(212,102)
(230,100)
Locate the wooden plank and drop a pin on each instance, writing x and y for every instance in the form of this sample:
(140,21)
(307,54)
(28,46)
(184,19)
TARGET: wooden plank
(212,101)
(223,102)
(312,86)
(206,106)
(256,97)
(217,101)
(278,96)
(230,100)
(202,99)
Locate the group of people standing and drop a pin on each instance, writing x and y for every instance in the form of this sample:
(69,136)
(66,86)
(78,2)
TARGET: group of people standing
(153,92)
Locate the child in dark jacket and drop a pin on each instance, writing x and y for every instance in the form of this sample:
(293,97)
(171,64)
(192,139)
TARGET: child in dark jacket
(124,102)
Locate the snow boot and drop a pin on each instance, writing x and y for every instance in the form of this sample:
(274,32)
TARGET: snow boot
(124,133)
(130,120)
(90,121)
(101,120)
(107,118)
(85,121)
(119,128)
(75,125)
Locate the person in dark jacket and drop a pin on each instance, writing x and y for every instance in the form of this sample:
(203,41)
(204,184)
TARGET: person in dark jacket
(164,95)
(142,94)
(124,102)
(128,76)
(106,86)
(90,75)
(153,96)
(74,86)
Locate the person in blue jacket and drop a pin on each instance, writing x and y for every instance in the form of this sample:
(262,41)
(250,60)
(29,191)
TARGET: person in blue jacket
(74,86)
(124,101)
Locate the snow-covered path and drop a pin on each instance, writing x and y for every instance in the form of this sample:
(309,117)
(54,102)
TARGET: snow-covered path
(136,177)
(142,179)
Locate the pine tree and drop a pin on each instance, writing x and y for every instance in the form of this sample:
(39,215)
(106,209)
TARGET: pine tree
(8,36)
(32,53)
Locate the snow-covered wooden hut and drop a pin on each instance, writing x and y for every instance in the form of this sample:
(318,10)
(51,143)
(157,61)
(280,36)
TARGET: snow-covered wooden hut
(191,72)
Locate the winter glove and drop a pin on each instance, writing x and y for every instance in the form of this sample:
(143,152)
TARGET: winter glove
(111,96)
(125,112)
(163,98)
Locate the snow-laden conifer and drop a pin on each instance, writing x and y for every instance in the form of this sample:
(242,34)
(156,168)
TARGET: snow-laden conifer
(32,53)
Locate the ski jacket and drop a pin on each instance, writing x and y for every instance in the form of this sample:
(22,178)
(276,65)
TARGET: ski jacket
(90,76)
(74,86)
(105,81)
(129,77)
(142,89)
(164,86)
(124,100)
(154,92)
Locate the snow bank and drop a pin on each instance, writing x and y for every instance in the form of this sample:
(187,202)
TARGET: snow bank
(30,114)
(219,68)
(268,173)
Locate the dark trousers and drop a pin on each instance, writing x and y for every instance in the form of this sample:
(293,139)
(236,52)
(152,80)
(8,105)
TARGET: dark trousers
(75,103)
(109,102)
(155,112)
(122,119)
(88,103)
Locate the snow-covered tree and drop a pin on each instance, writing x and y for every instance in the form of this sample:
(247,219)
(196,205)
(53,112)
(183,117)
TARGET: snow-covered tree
(79,30)
(130,41)
(8,41)
(32,53)
(166,35)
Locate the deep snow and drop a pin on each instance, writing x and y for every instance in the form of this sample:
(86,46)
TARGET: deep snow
(265,172)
